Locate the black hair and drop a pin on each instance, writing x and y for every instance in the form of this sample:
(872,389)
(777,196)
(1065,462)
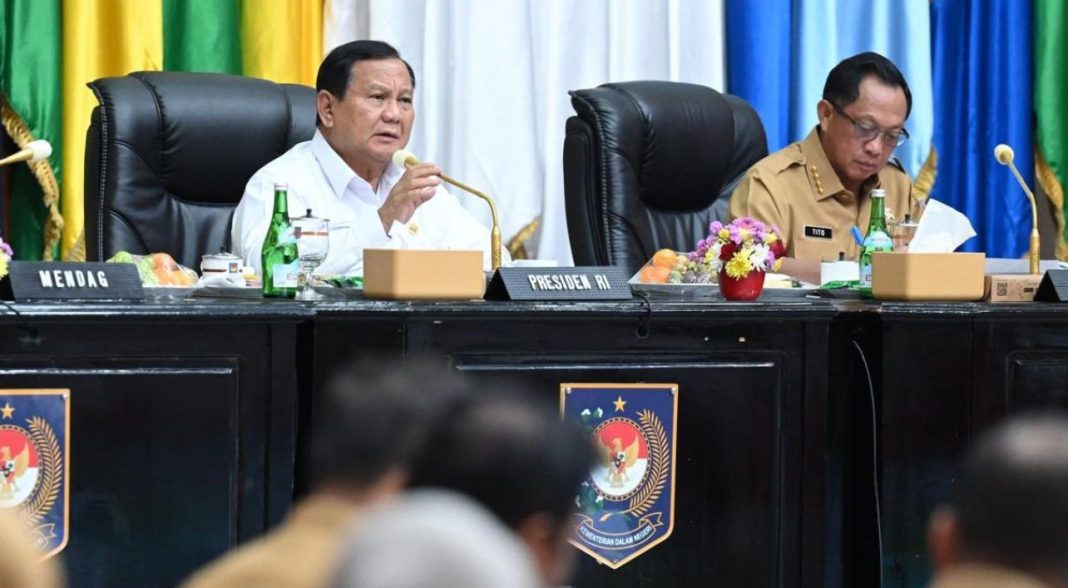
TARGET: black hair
(509,452)
(1012,499)
(843,83)
(373,414)
(335,72)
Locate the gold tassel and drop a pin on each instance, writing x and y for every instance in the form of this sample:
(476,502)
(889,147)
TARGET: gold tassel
(77,251)
(517,244)
(925,180)
(1055,192)
(46,177)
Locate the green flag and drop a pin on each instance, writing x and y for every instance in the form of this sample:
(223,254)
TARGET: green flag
(32,109)
(1051,107)
(202,35)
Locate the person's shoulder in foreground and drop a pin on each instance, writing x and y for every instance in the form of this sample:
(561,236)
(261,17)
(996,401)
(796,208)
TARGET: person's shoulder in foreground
(367,425)
(435,538)
(1006,525)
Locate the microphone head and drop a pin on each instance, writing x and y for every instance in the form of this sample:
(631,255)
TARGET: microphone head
(1004,154)
(40,149)
(404,158)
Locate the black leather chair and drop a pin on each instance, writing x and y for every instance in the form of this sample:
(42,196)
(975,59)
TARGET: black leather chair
(168,155)
(649,165)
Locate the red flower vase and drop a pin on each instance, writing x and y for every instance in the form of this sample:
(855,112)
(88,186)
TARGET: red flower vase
(747,288)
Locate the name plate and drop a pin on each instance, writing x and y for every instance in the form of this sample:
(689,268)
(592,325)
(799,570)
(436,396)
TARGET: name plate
(1053,287)
(559,283)
(51,280)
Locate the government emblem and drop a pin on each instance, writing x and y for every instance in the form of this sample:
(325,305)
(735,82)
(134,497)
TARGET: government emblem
(627,504)
(34,469)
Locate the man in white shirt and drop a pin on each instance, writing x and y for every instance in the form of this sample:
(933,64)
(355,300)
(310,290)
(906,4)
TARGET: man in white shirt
(346,173)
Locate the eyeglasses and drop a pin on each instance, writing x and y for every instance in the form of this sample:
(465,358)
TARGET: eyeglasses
(866,132)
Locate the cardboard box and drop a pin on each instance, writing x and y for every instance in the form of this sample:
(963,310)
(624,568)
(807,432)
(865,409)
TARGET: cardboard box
(422,274)
(1011,287)
(928,276)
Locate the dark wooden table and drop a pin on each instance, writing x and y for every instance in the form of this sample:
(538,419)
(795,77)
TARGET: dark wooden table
(182,426)
(187,417)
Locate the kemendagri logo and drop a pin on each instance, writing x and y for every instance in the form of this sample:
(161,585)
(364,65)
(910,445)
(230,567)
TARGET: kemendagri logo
(627,504)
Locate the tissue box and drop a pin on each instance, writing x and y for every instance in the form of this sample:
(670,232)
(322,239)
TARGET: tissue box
(423,274)
(928,276)
(1012,287)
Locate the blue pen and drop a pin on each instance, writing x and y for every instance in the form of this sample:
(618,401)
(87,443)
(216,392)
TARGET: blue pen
(857,235)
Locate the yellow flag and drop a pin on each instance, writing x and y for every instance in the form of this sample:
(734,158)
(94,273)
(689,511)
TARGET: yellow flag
(100,38)
(282,40)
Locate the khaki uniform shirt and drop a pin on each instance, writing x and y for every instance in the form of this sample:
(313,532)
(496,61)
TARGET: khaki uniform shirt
(797,190)
(984,576)
(302,552)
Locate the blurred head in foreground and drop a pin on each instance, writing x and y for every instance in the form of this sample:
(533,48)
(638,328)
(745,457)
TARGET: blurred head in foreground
(20,565)
(1010,509)
(517,457)
(435,538)
(371,421)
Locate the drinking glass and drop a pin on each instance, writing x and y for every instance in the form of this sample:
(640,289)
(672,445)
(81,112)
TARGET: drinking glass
(313,243)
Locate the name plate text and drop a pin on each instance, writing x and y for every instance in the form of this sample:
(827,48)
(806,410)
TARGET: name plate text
(42,280)
(559,283)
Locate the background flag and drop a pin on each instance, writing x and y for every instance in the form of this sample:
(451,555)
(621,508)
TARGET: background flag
(983,92)
(1051,96)
(32,109)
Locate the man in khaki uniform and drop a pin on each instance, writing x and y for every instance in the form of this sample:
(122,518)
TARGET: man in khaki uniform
(366,428)
(816,190)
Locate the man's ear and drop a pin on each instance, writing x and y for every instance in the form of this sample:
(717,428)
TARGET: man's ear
(824,110)
(943,538)
(324,104)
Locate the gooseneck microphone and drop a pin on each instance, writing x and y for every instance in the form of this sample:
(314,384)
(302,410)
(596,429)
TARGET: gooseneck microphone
(405,158)
(1005,156)
(33,152)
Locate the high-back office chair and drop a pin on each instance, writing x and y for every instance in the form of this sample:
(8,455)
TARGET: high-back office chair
(649,165)
(168,155)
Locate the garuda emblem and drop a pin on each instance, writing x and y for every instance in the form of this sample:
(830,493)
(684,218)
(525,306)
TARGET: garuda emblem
(34,469)
(627,504)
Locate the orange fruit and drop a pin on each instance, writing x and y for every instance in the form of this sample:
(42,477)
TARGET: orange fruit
(664,258)
(655,274)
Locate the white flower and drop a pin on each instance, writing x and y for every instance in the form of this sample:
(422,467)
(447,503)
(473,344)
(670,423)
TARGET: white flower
(759,256)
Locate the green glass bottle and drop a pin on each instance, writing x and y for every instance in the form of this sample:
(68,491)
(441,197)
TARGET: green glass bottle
(279,255)
(876,239)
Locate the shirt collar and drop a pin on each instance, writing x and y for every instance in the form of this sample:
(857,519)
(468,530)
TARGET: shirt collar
(340,175)
(337,172)
(822,175)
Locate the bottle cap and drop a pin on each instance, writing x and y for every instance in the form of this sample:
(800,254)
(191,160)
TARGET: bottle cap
(280,186)
(878,193)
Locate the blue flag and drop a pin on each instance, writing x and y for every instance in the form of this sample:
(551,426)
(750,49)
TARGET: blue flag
(759,62)
(983,96)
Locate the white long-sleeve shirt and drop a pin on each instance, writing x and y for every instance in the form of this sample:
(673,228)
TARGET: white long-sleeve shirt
(319,179)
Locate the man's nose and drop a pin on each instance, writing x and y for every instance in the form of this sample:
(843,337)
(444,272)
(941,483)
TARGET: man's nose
(392,111)
(875,146)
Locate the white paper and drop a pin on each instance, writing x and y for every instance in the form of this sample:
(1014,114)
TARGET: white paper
(941,230)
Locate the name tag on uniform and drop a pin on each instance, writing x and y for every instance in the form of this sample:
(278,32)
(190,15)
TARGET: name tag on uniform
(819,232)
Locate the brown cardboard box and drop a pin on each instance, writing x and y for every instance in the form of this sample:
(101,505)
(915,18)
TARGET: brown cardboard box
(927,276)
(423,274)
(1012,287)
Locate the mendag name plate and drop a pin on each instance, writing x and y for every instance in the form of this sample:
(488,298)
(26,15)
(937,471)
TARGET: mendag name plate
(559,283)
(50,280)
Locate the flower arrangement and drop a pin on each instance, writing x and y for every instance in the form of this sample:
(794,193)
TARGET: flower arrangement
(743,246)
(5,257)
